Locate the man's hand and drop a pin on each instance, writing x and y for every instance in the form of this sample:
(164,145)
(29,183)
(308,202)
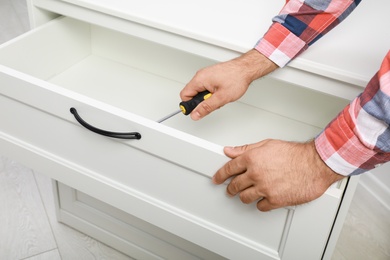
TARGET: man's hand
(276,173)
(227,81)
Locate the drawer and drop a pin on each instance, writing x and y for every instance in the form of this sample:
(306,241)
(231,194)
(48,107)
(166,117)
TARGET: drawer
(122,231)
(122,83)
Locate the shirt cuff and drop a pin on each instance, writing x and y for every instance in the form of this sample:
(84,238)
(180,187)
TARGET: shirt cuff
(342,150)
(280,45)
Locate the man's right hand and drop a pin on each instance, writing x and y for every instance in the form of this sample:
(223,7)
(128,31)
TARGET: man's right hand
(227,81)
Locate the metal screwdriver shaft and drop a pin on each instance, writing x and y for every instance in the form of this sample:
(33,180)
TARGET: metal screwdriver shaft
(169,116)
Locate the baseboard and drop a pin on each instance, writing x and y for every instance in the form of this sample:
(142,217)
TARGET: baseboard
(376,188)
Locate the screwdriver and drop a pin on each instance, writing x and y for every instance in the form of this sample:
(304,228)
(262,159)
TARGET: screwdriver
(186,107)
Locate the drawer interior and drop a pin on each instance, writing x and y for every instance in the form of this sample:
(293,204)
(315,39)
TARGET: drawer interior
(145,78)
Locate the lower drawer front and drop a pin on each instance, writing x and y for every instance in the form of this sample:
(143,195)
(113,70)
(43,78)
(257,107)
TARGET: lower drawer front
(128,234)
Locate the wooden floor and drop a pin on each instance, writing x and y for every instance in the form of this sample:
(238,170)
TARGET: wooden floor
(29,229)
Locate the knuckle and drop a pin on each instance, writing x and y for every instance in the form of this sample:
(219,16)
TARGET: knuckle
(245,147)
(249,158)
(199,73)
(207,107)
(233,186)
(201,76)
(229,169)
(245,198)
(255,177)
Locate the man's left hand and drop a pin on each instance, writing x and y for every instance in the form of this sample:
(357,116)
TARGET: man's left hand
(276,173)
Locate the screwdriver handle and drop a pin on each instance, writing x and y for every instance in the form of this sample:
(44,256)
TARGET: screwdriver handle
(187,106)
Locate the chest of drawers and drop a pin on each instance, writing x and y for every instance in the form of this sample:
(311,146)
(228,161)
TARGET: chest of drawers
(121,65)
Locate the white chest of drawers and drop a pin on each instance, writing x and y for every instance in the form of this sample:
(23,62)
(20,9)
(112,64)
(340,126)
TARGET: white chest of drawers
(121,64)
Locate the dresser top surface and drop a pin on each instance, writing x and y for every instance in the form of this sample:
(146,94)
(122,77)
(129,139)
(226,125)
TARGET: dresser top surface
(354,48)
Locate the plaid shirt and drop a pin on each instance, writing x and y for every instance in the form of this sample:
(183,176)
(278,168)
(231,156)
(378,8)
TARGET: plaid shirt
(358,139)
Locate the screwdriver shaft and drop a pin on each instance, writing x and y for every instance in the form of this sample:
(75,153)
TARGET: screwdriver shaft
(168,116)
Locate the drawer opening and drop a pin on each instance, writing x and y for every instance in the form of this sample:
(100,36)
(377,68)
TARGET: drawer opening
(145,78)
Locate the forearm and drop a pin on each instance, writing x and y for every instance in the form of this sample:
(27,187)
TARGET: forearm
(358,139)
(255,65)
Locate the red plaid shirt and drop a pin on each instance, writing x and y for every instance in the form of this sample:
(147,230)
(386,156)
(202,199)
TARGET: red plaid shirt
(358,139)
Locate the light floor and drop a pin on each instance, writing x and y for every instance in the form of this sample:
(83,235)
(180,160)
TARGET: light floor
(29,229)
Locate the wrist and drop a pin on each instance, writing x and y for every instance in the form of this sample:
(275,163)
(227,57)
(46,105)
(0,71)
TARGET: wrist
(325,173)
(255,65)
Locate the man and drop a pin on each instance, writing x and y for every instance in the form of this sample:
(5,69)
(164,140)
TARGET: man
(278,173)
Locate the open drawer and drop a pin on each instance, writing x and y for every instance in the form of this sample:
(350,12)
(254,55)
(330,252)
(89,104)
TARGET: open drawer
(122,83)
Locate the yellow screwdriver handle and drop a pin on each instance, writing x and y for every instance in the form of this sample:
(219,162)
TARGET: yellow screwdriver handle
(187,106)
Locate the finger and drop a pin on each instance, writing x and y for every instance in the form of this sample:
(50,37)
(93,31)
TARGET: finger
(207,106)
(231,168)
(238,184)
(265,205)
(234,152)
(250,195)
(199,83)
(191,89)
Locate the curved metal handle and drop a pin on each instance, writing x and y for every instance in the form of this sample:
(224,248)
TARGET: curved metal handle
(130,135)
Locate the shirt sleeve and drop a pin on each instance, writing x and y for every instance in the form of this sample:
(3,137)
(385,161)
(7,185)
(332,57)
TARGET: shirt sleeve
(299,24)
(358,139)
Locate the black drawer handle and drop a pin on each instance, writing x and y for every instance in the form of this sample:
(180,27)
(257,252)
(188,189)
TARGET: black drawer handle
(130,135)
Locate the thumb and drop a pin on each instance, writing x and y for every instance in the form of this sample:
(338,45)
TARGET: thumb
(236,151)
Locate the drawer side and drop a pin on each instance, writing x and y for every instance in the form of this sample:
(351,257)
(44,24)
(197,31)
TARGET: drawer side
(49,49)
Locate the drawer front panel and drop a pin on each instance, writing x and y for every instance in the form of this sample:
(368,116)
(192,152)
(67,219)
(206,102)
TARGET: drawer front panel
(148,177)
(130,235)
(156,138)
